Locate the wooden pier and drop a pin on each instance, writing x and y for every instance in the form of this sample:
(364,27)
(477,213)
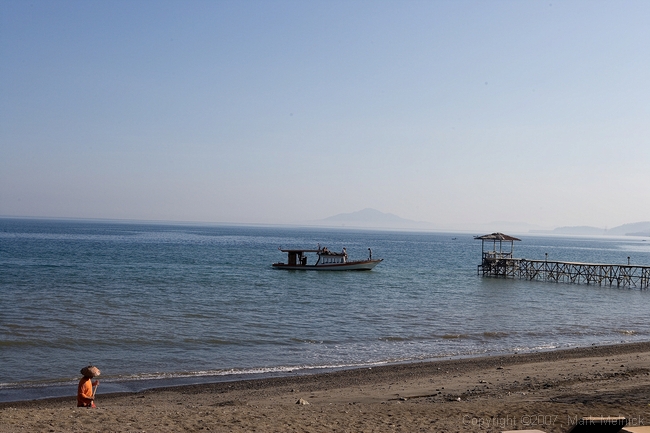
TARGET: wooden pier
(499,262)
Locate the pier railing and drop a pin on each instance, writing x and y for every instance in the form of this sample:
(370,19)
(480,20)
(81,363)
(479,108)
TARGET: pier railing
(565,272)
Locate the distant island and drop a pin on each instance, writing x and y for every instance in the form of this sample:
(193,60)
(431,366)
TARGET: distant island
(371,218)
(632,229)
(374,219)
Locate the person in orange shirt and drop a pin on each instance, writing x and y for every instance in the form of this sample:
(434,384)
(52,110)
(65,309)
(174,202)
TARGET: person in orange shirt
(85,390)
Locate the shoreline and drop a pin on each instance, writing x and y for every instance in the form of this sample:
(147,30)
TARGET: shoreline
(542,390)
(140,386)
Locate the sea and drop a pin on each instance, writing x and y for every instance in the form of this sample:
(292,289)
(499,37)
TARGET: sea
(156,305)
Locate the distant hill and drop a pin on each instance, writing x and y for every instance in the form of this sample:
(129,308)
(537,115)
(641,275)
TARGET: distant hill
(371,218)
(579,230)
(632,229)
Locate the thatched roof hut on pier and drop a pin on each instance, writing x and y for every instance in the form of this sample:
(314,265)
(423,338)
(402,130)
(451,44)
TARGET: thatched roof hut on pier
(501,239)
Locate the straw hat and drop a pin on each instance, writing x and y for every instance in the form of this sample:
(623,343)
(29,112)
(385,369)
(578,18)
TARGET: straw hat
(90,371)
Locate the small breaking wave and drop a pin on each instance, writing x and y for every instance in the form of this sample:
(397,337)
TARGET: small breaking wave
(454,336)
(495,334)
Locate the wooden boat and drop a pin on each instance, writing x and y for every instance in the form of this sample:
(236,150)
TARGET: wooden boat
(326,261)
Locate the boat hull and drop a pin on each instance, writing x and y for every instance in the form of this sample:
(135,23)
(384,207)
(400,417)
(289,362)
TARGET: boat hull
(360,265)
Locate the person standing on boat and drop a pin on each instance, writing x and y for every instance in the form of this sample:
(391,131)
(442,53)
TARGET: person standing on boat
(369,254)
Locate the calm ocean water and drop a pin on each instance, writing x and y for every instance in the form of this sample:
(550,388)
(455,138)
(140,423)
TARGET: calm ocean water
(155,305)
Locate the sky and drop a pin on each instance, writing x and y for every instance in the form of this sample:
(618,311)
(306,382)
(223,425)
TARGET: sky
(278,112)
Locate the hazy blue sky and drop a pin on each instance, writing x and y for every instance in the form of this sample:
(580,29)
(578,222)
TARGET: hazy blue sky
(453,112)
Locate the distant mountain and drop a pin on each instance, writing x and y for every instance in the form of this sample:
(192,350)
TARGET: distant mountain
(579,230)
(371,218)
(632,229)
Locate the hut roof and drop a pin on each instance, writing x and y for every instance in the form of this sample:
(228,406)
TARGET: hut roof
(497,237)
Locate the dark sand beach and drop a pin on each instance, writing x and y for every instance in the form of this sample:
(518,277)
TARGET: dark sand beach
(546,391)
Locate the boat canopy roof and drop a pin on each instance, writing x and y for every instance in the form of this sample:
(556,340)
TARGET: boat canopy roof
(322,251)
(300,251)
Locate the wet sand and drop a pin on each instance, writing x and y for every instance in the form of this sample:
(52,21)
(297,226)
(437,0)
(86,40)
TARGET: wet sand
(546,391)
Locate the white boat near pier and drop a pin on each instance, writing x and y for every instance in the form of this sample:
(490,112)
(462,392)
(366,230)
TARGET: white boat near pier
(326,260)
